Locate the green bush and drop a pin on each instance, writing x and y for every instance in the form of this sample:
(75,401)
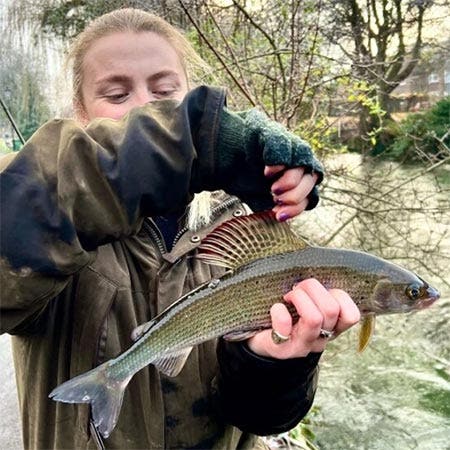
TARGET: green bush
(3,147)
(419,134)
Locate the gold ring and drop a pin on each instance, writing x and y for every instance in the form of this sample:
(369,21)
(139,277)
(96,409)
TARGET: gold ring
(279,338)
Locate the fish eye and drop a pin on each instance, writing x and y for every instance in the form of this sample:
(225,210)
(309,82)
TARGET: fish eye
(414,292)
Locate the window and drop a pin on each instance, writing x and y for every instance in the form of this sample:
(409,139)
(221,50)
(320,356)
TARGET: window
(433,78)
(447,82)
(447,76)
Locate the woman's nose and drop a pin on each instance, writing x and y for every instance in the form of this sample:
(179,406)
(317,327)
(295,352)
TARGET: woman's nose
(143,96)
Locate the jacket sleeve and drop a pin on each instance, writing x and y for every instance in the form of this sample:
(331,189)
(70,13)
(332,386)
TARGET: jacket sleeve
(244,132)
(71,189)
(262,395)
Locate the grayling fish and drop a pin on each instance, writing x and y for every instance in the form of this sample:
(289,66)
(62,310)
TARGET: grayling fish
(265,259)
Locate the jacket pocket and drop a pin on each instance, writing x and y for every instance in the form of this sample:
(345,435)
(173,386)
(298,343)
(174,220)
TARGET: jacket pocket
(94,297)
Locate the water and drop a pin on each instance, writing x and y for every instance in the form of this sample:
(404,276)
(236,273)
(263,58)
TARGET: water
(396,395)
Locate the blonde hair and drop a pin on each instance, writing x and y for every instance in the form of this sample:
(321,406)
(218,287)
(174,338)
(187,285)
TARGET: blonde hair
(137,21)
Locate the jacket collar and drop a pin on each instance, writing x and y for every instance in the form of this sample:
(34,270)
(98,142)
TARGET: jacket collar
(189,240)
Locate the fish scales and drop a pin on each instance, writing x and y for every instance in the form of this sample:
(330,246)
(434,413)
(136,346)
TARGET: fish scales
(218,311)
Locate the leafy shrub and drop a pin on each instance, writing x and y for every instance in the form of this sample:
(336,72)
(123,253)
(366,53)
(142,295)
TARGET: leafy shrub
(4,147)
(420,134)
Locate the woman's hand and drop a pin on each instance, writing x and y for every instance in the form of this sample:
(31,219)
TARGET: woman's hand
(318,308)
(290,191)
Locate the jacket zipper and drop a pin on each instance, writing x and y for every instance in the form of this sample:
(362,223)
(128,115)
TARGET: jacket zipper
(154,232)
(214,213)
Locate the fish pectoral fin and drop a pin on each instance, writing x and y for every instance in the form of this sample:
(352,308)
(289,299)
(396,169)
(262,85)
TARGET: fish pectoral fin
(172,364)
(247,238)
(366,331)
(236,336)
(140,330)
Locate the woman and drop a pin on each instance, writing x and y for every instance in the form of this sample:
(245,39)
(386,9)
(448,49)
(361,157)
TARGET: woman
(96,240)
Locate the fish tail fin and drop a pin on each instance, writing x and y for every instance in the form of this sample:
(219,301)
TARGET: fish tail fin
(99,388)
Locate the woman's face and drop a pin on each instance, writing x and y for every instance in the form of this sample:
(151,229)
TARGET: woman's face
(126,69)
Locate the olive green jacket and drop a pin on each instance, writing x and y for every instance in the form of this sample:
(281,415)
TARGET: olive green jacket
(82,266)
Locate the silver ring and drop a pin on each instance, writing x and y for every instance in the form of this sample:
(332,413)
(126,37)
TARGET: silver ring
(325,334)
(279,338)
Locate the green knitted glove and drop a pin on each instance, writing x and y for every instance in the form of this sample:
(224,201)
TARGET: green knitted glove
(247,141)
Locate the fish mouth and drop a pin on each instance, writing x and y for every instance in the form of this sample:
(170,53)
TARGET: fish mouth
(432,295)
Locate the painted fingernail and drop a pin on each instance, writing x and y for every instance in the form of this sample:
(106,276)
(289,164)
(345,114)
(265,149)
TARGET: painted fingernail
(283,217)
(277,191)
(278,201)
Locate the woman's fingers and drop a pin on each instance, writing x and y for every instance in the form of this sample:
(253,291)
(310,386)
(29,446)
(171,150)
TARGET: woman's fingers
(286,212)
(281,320)
(326,304)
(288,180)
(319,310)
(349,313)
(271,171)
(338,310)
(281,324)
(291,190)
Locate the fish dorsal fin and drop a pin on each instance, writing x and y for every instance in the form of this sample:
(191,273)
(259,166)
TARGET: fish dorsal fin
(172,364)
(246,238)
(366,331)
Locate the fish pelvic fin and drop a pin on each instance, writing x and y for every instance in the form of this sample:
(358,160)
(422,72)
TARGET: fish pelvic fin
(172,363)
(247,238)
(237,336)
(101,390)
(366,331)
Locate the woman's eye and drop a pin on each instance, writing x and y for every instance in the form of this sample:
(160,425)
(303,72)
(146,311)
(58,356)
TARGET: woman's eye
(164,93)
(117,98)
